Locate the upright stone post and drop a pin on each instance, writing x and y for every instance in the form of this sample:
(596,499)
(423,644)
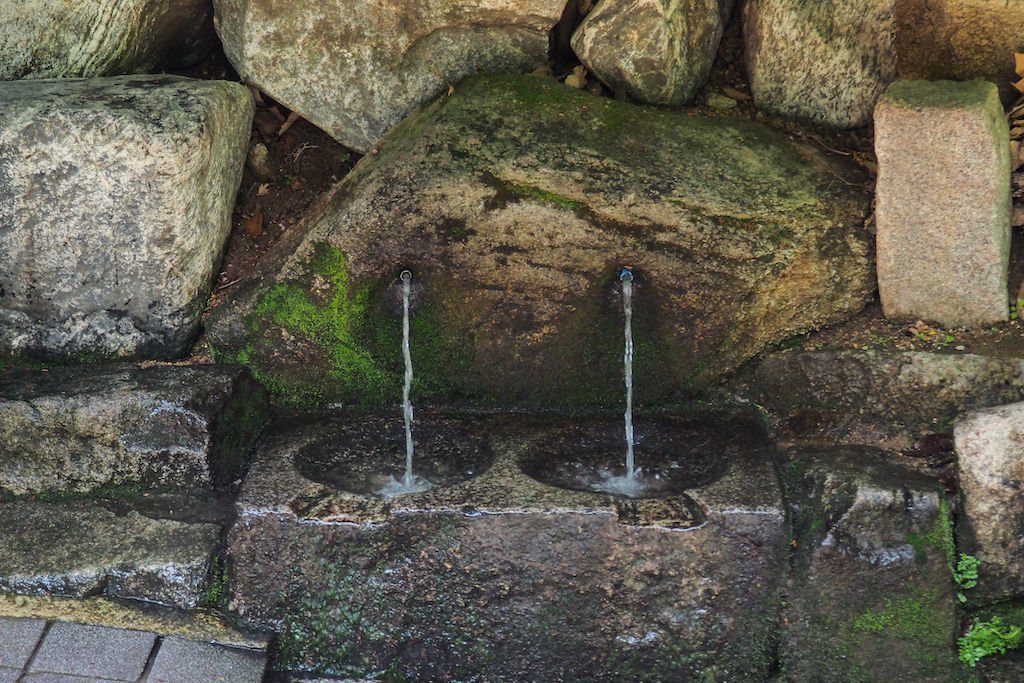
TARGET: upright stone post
(943,202)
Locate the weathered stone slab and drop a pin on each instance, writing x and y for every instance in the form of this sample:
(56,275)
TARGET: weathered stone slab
(502,577)
(655,53)
(70,38)
(79,549)
(822,62)
(114,258)
(990,450)
(872,593)
(162,427)
(356,69)
(943,203)
(18,639)
(960,40)
(515,202)
(873,397)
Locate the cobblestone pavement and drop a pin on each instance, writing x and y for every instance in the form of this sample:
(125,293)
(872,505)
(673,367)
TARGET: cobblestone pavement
(38,651)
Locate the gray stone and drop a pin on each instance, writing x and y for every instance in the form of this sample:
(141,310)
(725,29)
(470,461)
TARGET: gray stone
(114,258)
(822,62)
(943,203)
(876,398)
(80,549)
(960,40)
(502,577)
(515,202)
(655,52)
(9,675)
(170,427)
(61,678)
(69,38)
(18,638)
(110,653)
(989,445)
(871,595)
(186,661)
(356,69)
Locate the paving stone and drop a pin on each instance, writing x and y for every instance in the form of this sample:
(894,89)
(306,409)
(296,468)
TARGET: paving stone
(9,675)
(111,653)
(77,549)
(943,203)
(18,638)
(187,661)
(61,678)
(989,444)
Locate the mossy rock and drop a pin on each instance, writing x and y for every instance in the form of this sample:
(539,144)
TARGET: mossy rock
(515,202)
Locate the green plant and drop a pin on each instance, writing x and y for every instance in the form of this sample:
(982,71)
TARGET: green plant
(988,638)
(965,575)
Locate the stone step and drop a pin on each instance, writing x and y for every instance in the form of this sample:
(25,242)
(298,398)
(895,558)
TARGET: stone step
(163,427)
(83,548)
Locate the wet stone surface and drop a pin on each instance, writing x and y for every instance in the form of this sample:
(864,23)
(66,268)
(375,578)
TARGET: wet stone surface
(671,456)
(364,455)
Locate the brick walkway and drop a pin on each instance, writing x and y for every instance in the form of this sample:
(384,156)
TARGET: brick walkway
(37,651)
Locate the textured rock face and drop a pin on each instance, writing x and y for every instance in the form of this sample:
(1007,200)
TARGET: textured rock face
(504,578)
(654,53)
(872,594)
(78,549)
(115,202)
(960,40)
(989,444)
(822,62)
(515,202)
(70,38)
(943,203)
(171,427)
(357,68)
(907,393)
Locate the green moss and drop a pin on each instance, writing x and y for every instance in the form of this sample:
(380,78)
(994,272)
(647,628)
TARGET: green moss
(940,536)
(532,192)
(216,584)
(108,491)
(909,618)
(943,94)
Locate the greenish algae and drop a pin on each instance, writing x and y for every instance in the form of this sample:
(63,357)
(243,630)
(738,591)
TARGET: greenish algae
(943,94)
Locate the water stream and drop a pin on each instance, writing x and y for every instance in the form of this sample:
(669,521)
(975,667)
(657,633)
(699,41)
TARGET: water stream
(626,277)
(409,483)
(630,484)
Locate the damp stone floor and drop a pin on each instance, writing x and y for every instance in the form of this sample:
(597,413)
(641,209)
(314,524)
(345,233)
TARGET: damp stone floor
(38,651)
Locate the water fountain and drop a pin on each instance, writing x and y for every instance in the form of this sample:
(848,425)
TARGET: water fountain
(517,564)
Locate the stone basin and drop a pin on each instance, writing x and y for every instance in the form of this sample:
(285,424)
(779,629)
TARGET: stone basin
(502,577)
(367,454)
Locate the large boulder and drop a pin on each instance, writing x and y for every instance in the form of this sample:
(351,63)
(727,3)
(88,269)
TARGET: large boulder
(872,593)
(357,68)
(826,63)
(124,427)
(70,38)
(989,445)
(515,202)
(655,53)
(942,204)
(115,203)
(960,40)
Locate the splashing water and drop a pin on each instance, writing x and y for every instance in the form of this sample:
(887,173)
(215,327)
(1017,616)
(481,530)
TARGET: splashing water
(410,483)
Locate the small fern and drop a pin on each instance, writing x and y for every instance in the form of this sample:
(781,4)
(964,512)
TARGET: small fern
(988,638)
